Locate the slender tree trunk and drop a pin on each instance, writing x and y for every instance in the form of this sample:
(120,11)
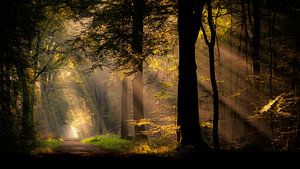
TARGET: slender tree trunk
(215,97)
(44,103)
(2,104)
(211,46)
(241,34)
(270,31)
(297,88)
(256,39)
(297,80)
(246,38)
(271,68)
(124,109)
(99,100)
(137,84)
(138,104)
(233,99)
(296,59)
(188,112)
(124,96)
(271,17)
(244,31)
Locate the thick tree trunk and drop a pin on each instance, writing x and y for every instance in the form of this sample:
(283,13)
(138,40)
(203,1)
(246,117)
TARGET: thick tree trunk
(137,84)
(188,112)
(7,125)
(27,131)
(124,109)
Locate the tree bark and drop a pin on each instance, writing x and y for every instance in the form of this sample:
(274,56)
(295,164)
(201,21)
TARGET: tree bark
(137,84)
(188,112)
(7,124)
(27,131)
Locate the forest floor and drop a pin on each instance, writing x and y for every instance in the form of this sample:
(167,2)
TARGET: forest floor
(74,154)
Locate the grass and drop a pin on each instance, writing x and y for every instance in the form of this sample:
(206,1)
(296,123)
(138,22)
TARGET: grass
(110,142)
(47,146)
(113,143)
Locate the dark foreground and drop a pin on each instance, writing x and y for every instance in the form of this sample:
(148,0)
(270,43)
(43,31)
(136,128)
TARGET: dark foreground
(208,159)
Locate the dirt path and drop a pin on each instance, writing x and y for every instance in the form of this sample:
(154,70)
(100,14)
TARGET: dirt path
(78,148)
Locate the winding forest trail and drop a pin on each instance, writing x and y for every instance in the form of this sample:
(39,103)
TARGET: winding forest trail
(75,147)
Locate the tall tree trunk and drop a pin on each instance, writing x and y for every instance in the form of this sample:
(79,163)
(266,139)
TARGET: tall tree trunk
(215,97)
(271,19)
(44,103)
(243,23)
(28,134)
(138,104)
(137,84)
(211,45)
(7,125)
(244,30)
(297,80)
(188,112)
(124,109)
(256,39)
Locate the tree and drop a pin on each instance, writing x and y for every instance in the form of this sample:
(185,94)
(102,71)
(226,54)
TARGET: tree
(8,135)
(52,53)
(189,17)
(20,71)
(297,81)
(256,38)
(124,109)
(123,43)
(18,34)
(137,83)
(211,45)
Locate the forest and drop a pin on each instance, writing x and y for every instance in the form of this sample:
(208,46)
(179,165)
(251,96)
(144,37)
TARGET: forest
(149,78)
